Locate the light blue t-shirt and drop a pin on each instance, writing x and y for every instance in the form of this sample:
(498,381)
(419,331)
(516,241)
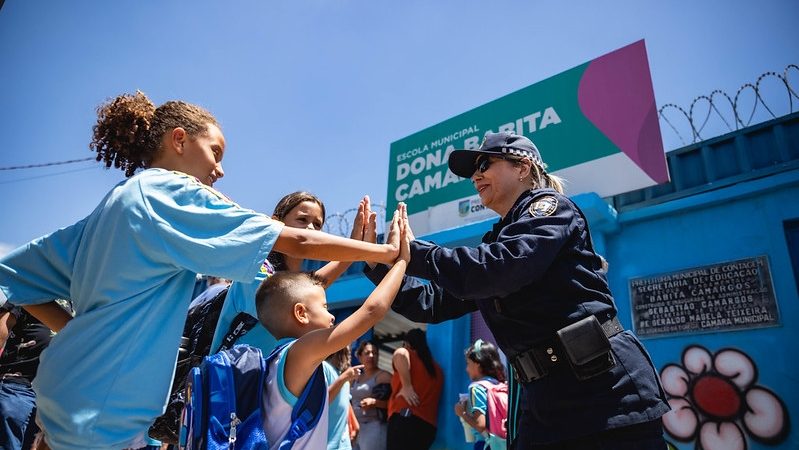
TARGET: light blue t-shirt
(241,298)
(129,269)
(338,435)
(478,402)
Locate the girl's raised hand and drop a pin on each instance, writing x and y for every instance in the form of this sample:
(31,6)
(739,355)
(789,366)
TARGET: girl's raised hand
(370,222)
(360,220)
(370,227)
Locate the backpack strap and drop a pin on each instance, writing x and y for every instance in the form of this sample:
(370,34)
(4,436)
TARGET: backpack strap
(241,324)
(310,404)
(308,409)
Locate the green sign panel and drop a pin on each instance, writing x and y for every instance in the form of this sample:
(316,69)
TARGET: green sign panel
(576,117)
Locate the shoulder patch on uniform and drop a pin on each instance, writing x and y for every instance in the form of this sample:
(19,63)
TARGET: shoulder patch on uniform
(545,206)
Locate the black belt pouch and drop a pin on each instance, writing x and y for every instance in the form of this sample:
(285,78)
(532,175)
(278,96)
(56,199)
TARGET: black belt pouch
(587,348)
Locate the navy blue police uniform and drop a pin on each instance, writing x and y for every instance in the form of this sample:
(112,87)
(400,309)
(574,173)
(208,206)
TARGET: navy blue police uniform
(535,273)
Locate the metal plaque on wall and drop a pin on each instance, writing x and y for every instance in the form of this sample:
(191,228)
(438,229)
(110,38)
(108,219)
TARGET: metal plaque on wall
(727,296)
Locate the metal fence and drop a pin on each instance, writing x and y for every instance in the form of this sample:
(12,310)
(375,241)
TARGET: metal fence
(752,102)
(341,223)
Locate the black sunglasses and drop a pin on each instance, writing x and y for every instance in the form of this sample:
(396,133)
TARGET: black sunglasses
(483,163)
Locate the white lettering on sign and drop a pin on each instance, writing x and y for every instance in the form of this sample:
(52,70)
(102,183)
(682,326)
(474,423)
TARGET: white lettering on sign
(422,186)
(531,123)
(424,163)
(430,157)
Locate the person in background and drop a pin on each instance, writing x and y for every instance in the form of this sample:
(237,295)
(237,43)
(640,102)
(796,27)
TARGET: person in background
(130,266)
(339,373)
(214,285)
(483,365)
(416,390)
(22,339)
(583,381)
(370,393)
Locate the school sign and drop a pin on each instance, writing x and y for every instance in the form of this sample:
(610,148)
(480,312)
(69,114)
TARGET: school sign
(595,125)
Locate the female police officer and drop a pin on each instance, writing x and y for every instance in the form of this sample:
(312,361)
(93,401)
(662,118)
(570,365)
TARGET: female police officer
(585,382)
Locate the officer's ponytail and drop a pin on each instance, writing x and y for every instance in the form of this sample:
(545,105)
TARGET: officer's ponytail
(539,177)
(555,182)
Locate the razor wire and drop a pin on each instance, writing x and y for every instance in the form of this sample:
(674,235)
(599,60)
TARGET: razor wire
(735,115)
(341,223)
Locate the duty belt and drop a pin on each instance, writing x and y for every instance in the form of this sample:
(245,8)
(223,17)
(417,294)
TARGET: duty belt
(535,363)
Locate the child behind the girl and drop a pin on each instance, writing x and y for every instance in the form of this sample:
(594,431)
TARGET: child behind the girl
(339,373)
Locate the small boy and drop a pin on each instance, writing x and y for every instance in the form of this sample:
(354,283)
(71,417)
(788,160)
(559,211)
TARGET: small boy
(293,307)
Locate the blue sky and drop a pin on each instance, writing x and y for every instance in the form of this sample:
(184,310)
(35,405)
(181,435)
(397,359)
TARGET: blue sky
(310,94)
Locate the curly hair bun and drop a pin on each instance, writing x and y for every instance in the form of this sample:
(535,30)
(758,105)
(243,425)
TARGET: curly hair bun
(120,136)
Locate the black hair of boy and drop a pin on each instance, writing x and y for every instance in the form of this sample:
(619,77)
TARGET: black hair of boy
(277,295)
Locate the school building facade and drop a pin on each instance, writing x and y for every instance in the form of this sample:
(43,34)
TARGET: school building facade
(704,268)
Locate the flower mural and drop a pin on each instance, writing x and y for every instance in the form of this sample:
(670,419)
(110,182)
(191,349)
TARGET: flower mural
(716,402)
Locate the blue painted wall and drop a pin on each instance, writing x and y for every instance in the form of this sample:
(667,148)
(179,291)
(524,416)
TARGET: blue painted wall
(742,221)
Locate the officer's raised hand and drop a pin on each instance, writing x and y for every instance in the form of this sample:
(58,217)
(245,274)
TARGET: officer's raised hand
(406,234)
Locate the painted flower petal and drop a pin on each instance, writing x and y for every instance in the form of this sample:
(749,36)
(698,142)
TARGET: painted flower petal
(767,416)
(721,436)
(697,359)
(681,421)
(737,366)
(674,380)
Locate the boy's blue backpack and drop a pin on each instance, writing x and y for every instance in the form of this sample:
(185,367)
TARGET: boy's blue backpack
(224,406)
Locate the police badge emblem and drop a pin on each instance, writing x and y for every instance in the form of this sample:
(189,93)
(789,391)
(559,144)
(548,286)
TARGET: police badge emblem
(544,206)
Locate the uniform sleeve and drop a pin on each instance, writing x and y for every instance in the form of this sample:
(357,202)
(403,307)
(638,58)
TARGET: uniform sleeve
(477,398)
(203,231)
(40,271)
(423,302)
(522,254)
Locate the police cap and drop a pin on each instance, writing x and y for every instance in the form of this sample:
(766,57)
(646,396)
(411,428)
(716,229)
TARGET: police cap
(462,162)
